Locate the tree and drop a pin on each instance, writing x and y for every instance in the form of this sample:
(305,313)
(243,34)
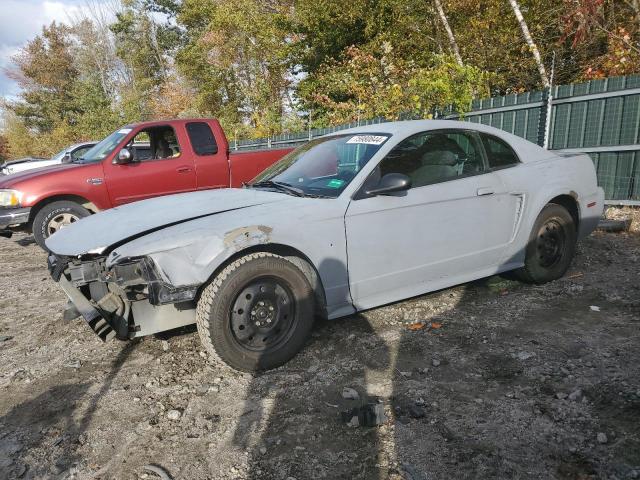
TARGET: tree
(609,31)
(445,24)
(46,75)
(139,47)
(235,57)
(532,45)
(379,82)
(4,148)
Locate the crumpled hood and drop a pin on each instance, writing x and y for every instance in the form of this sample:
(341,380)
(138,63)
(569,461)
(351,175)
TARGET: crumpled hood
(96,233)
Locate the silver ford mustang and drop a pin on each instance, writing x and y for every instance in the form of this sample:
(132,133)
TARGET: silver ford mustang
(347,222)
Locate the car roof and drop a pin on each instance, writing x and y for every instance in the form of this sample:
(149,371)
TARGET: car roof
(409,127)
(526,150)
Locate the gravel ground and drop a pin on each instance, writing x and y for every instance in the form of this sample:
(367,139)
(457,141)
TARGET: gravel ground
(493,379)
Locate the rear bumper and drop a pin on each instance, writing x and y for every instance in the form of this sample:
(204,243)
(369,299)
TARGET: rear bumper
(591,209)
(10,217)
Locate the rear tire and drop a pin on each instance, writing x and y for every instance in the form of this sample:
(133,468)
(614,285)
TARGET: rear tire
(55,216)
(257,313)
(551,246)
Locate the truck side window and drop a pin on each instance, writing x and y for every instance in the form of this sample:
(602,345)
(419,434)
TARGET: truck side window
(155,143)
(202,138)
(80,151)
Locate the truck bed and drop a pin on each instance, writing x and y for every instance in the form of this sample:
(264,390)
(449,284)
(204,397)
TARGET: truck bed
(246,165)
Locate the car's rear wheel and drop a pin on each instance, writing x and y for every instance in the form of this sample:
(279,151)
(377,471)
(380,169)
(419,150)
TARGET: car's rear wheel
(54,217)
(257,313)
(551,246)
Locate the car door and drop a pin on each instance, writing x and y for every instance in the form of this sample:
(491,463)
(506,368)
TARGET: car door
(451,226)
(211,162)
(161,168)
(503,160)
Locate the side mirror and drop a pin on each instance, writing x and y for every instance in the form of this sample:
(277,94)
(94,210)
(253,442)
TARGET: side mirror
(124,156)
(390,183)
(66,158)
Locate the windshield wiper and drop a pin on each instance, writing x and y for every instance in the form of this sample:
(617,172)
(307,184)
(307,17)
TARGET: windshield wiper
(285,187)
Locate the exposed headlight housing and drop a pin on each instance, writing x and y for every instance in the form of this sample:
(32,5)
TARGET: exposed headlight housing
(10,198)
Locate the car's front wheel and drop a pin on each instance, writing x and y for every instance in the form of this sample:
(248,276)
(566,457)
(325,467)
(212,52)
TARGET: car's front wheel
(55,216)
(257,313)
(551,246)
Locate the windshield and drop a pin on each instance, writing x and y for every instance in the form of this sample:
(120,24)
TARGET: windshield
(59,156)
(323,167)
(105,147)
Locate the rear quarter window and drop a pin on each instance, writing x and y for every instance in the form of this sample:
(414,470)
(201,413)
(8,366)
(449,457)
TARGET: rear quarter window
(202,139)
(499,153)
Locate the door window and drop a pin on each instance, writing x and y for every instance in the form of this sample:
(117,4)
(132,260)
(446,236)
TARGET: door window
(499,153)
(155,143)
(434,157)
(202,138)
(80,152)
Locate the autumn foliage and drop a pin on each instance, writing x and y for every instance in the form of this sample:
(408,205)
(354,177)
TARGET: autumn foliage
(267,67)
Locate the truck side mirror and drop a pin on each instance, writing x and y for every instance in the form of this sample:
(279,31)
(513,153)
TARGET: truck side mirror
(124,156)
(67,158)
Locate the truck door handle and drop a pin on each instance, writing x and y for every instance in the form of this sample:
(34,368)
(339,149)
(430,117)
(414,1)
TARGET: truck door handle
(485,191)
(183,169)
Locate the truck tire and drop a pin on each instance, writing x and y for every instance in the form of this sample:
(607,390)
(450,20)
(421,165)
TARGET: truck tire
(55,216)
(257,313)
(551,246)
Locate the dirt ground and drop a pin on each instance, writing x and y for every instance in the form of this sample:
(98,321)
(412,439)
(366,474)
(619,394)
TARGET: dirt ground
(505,380)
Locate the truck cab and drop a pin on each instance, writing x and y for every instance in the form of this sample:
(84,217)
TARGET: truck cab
(135,162)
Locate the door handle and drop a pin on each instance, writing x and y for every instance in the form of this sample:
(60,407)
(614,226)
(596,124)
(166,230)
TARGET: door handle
(485,191)
(183,169)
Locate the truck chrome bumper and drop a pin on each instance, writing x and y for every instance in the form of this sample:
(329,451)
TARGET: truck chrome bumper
(13,216)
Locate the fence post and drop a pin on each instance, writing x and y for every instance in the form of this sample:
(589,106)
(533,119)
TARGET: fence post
(546,136)
(544,126)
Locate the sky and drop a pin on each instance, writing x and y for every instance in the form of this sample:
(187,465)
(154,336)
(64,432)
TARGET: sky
(21,20)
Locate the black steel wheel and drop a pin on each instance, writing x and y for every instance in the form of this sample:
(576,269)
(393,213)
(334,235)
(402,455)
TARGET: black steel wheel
(263,315)
(551,243)
(257,313)
(551,246)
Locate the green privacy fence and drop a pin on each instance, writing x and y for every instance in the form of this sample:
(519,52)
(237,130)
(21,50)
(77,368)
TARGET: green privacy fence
(600,118)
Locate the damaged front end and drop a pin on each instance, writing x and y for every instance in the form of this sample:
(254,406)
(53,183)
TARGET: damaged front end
(125,300)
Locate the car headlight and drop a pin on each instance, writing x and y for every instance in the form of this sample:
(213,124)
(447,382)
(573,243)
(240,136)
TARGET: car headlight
(10,198)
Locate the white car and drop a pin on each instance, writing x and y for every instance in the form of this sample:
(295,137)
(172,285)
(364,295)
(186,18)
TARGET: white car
(67,155)
(347,222)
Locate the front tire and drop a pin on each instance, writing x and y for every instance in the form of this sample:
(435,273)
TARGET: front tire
(55,216)
(257,313)
(551,246)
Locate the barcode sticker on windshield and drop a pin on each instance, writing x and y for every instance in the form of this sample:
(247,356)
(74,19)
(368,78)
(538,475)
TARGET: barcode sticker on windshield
(125,130)
(368,139)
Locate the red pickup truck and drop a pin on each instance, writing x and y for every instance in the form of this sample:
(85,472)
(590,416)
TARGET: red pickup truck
(135,162)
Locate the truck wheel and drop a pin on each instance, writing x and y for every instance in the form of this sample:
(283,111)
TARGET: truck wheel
(551,246)
(55,216)
(257,313)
